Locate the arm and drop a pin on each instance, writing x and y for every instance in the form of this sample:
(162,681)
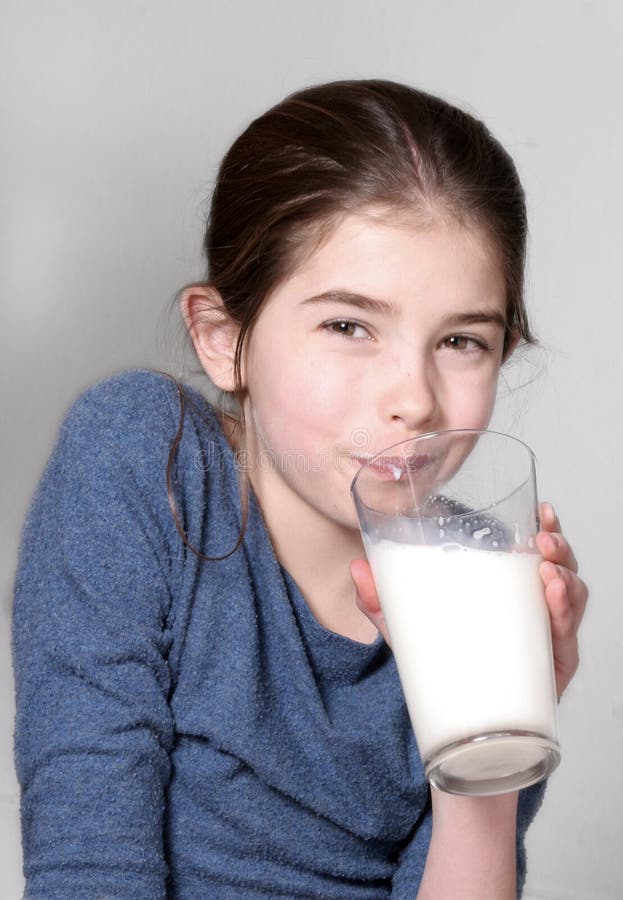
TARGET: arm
(434,860)
(93,727)
(472,848)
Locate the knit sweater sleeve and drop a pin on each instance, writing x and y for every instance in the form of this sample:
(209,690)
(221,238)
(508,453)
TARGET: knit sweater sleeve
(90,639)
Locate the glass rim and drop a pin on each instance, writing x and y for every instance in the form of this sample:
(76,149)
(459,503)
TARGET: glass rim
(433,434)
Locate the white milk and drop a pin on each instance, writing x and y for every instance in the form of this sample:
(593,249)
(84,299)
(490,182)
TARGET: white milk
(471,636)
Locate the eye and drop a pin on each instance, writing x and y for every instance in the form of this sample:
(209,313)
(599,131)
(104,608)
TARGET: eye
(348,329)
(464,343)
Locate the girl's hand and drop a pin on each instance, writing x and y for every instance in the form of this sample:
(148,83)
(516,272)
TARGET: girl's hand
(565,592)
(367,598)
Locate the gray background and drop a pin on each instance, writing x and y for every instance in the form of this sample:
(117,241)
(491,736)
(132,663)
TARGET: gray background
(113,119)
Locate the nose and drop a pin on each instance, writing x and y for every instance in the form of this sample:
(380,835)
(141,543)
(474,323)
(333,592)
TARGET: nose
(410,397)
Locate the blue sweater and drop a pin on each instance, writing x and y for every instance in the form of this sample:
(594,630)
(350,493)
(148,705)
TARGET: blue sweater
(187,729)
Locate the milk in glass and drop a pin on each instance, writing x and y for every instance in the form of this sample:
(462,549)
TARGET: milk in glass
(470,632)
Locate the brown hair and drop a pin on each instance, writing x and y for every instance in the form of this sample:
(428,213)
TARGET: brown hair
(340,148)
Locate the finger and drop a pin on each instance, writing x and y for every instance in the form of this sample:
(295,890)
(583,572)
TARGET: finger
(566,596)
(555,548)
(577,593)
(367,597)
(548,518)
(557,595)
(564,633)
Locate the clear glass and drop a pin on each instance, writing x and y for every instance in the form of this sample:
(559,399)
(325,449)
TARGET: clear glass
(449,522)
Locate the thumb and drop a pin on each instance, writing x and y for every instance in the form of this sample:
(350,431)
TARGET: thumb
(367,597)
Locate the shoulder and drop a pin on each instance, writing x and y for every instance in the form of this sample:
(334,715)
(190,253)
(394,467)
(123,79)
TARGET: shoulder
(135,410)
(126,446)
(122,433)
(128,398)
(133,442)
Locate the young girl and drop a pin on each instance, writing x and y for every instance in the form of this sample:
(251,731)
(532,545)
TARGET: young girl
(207,707)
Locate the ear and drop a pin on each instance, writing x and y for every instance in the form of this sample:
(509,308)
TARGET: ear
(214,334)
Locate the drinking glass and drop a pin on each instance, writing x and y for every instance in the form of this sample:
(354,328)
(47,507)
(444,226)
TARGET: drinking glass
(449,522)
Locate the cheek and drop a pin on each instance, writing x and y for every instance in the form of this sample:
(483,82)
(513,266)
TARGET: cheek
(294,406)
(476,398)
(314,388)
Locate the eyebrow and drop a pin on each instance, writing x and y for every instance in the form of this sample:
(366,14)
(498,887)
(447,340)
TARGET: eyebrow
(485,315)
(477,317)
(360,301)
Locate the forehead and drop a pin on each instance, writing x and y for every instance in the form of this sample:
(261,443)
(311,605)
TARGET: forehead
(390,255)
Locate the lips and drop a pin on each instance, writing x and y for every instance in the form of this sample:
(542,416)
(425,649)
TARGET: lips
(395,466)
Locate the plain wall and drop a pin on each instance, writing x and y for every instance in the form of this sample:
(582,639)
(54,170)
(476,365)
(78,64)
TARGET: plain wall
(114,117)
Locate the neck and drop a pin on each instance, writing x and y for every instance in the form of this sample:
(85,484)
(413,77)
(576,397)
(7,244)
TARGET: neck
(317,553)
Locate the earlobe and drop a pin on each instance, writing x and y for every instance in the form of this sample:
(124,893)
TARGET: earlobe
(213,333)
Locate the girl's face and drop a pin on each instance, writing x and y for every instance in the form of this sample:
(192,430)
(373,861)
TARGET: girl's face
(383,333)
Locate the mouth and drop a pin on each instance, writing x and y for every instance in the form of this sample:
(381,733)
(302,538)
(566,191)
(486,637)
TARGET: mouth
(395,467)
